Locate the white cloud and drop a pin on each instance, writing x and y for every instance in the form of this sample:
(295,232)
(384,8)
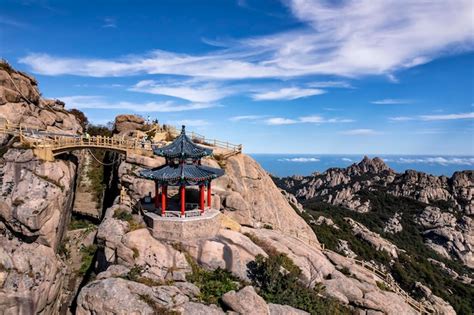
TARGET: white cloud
(401,118)
(351,38)
(434,117)
(331,84)
(319,119)
(189,90)
(300,160)
(280,121)
(246,117)
(392,101)
(346,160)
(437,160)
(291,93)
(314,119)
(360,132)
(98,102)
(448,116)
(109,22)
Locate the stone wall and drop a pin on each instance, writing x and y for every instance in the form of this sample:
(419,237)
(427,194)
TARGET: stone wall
(183,229)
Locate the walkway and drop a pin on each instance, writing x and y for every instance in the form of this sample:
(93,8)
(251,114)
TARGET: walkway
(46,145)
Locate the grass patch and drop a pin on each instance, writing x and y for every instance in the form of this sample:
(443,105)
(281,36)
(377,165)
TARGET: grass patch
(124,215)
(158,309)
(278,281)
(76,224)
(212,283)
(383,286)
(88,253)
(135,274)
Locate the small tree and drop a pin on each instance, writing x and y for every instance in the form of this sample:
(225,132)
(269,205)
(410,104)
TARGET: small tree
(81,117)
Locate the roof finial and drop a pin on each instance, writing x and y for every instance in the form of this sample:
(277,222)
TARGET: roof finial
(183,131)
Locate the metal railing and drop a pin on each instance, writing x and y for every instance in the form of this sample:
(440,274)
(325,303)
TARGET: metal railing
(387,279)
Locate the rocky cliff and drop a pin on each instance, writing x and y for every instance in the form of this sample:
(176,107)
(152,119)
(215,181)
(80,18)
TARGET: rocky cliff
(35,200)
(412,217)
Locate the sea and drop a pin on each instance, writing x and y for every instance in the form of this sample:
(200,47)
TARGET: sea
(305,164)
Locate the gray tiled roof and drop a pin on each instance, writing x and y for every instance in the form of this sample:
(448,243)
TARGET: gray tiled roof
(189,174)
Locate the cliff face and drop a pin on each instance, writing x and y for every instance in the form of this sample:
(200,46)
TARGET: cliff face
(35,201)
(440,196)
(423,220)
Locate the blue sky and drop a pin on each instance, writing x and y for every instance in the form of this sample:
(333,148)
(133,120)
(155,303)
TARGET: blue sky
(296,76)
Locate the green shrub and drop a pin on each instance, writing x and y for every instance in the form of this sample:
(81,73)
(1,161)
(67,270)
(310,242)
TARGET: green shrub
(88,253)
(409,268)
(76,224)
(124,215)
(277,279)
(213,284)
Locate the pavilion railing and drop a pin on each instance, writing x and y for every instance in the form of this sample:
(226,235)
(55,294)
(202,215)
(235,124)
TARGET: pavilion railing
(198,138)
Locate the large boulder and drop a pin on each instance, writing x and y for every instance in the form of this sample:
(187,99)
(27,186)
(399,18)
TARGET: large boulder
(246,302)
(123,297)
(30,278)
(124,123)
(251,198)
(229,250)
(36,196)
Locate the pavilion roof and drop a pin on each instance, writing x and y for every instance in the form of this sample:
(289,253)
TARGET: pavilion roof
(188,174)
(182,147)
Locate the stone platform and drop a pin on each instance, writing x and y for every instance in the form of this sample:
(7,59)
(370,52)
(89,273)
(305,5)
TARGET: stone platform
(182,229)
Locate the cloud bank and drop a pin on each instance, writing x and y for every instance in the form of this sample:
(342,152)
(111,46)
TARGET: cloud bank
(351,38)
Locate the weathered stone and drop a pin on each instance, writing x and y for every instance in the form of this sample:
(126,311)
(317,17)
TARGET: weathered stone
(192,308)
(119,296)
(277,309)
(246,302)
(260,198)
(125,123)
(30,278)
(34,195)
(160,260)
(228,250)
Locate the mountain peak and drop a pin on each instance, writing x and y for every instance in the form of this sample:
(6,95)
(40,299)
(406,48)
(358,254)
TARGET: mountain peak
(375,165)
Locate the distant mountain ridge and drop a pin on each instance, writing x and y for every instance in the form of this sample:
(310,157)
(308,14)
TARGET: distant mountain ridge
(417,226)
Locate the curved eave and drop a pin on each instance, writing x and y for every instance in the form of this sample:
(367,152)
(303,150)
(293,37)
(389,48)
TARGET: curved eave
(182,174)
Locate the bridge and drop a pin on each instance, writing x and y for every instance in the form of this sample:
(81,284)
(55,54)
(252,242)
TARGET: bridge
(47,145)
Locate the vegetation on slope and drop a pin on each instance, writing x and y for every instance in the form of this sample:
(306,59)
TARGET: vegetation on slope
(409,268)
(277,279)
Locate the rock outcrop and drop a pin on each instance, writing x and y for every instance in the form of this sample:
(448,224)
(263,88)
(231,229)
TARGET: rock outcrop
(35,195)
(448,231)
(35,200)
(250,197)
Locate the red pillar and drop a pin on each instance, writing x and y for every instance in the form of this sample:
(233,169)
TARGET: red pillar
(201,197)
(183,200)
(209,195)
(157,195)
(163,200)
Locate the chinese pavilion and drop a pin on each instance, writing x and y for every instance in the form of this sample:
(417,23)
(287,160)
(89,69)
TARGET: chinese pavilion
(183,168)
